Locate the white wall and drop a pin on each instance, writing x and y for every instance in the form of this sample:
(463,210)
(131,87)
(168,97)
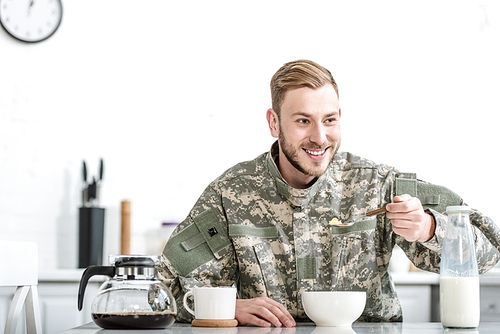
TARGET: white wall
(172,93)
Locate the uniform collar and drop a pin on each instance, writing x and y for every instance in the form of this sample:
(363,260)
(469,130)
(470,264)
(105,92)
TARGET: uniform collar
(298,197)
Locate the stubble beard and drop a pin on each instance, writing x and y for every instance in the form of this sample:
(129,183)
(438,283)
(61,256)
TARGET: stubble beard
(292,156)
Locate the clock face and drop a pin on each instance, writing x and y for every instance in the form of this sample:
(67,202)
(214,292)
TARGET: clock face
(30,20)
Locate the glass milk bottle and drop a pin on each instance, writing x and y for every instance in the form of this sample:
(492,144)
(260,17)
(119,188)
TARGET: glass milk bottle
(459,278)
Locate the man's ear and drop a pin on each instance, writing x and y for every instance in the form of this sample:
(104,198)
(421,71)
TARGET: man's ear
(340,113)
(273,122)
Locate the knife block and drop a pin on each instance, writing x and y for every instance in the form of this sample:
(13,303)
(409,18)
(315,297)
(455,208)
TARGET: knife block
(91,237)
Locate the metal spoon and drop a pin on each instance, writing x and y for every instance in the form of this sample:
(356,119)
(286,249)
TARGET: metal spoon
(355,220)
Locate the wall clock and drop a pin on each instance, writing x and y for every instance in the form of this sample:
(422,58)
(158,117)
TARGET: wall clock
(30,21)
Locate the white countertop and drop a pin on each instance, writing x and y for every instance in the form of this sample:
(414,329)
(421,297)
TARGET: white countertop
(302,328)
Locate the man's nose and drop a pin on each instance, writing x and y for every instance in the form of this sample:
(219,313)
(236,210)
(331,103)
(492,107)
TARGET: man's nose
(318,134)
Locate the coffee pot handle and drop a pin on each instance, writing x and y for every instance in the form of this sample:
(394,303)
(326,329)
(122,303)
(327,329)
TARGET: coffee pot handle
(87,274)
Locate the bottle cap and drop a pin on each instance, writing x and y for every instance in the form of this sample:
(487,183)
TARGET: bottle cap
(458,209)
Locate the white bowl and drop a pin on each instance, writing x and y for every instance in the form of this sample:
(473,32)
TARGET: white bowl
(333,308)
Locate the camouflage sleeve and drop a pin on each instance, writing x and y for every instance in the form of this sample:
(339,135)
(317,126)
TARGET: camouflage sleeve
(199,251)
(427,255)
(487,237)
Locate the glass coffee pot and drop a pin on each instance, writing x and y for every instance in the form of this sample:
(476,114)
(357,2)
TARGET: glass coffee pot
(133,298)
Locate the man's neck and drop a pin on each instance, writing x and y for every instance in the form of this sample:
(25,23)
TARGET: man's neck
(299,182)
(291,175)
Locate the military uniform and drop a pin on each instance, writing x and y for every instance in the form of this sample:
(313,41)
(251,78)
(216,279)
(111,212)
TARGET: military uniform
(251,229)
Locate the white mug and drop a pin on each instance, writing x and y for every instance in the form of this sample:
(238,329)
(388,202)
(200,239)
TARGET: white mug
(212,303)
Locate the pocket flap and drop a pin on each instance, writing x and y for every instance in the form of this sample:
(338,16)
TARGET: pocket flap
(363,225)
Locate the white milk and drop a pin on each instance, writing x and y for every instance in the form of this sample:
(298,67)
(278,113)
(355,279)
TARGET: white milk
(459,301)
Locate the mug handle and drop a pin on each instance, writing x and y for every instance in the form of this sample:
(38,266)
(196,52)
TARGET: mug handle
(184,301)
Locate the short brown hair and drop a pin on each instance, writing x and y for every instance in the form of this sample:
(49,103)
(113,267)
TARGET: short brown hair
(296,74)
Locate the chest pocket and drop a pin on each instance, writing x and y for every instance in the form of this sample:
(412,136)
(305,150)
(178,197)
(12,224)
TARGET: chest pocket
(354,258)
(260,259)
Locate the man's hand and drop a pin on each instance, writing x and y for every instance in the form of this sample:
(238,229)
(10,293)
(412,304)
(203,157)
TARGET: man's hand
(263,312)
(409,219)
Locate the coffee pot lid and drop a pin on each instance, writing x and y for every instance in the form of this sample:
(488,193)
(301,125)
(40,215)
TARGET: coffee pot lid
(134,261)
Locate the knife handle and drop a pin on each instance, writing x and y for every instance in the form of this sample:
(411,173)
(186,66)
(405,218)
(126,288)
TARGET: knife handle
(84,171)
(101,170)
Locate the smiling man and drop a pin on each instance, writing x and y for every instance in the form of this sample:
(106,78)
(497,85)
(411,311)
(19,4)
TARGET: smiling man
(264,225)
(308,127)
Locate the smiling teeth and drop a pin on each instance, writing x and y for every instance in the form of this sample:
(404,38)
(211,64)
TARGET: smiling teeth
(316,152)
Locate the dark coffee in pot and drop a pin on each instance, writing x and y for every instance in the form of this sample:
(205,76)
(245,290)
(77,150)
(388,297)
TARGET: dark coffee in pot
(133,320)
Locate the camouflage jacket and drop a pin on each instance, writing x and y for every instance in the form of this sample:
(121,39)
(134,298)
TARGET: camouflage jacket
(251,229)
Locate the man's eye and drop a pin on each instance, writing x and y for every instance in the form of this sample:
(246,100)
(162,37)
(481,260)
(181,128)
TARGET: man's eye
(302,121)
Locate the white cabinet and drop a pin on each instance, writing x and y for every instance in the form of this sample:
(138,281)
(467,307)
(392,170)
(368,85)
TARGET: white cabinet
(58,303)
(415,292)
(490,303)
(415,301)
